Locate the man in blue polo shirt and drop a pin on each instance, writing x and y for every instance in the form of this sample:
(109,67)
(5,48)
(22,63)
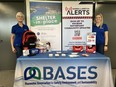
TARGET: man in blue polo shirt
(17,33)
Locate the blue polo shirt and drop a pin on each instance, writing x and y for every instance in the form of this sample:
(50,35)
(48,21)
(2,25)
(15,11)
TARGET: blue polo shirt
(100,36)
(18,31)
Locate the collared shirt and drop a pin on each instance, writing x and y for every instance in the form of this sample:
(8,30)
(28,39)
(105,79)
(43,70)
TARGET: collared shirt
(100,36)
(18,31)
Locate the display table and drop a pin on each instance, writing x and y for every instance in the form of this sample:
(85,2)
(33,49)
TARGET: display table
(45,70)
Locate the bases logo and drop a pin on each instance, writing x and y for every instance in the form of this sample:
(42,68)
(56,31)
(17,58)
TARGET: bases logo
(33,71)
(56,73)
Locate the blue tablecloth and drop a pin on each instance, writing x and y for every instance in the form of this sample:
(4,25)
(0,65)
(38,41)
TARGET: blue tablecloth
(62,71)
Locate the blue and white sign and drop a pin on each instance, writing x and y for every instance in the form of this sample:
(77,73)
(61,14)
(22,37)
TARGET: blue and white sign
(63,72)
(44,18)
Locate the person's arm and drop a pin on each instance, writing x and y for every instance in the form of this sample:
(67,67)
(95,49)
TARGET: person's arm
(12,41)
(106,41)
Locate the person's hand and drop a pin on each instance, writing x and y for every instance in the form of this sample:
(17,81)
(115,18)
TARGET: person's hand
(13,50)
(105,48)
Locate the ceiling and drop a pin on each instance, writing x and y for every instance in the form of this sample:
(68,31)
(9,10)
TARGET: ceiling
(56,0)
(12,0)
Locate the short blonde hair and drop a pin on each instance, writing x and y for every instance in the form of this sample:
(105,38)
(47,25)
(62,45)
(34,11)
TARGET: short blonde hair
(19,14)
(101,19)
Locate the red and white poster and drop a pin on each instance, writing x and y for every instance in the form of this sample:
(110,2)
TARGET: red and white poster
(91,42)
(77,22)
(91,38)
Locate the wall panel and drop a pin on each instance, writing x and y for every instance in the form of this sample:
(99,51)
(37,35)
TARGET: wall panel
(8,11)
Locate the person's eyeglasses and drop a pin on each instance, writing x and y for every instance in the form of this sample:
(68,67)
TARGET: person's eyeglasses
(20,16)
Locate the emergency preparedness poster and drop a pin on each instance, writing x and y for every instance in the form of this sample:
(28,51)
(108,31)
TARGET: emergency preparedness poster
(77,22)
(45,21)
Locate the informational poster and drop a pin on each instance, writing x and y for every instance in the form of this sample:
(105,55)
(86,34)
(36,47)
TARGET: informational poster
(91,42)
(91,38)
(77,22)
(44,18)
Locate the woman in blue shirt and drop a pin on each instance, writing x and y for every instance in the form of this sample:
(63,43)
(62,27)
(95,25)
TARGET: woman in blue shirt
(17,33)
(101,30)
